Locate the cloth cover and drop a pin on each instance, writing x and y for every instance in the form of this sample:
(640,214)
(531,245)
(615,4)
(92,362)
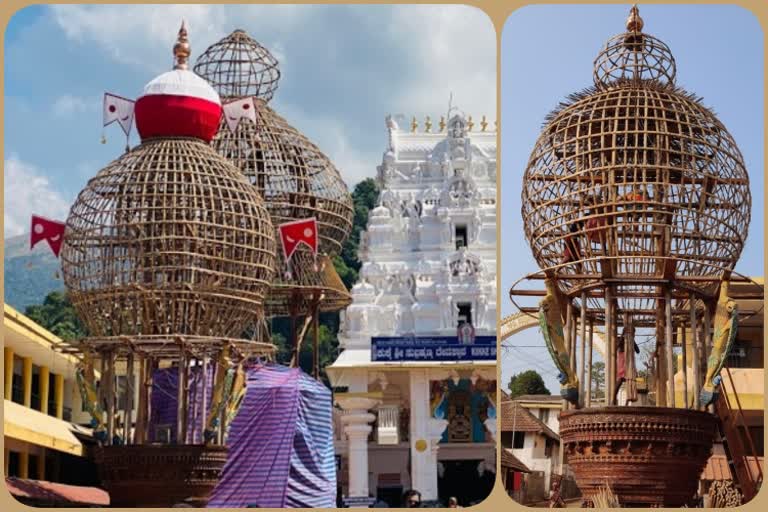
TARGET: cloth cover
(280,444)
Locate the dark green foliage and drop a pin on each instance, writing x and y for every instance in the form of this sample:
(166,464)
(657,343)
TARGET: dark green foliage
(57,315)
(528,382)
(364,197)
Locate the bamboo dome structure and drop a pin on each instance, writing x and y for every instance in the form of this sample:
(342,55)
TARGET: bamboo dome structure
(635,181)
(295,178)
(168,255)
(636,206)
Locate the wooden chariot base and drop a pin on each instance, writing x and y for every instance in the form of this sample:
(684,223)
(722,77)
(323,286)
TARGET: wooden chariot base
(154,476)
(648,456)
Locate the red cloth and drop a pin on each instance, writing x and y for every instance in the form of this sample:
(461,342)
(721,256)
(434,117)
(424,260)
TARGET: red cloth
(621,365)
(165,115)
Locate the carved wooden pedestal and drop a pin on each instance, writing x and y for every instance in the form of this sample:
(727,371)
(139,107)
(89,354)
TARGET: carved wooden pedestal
(159,475)
(649,456)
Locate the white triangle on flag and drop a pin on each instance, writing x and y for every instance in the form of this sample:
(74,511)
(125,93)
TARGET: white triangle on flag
(117,108)
(234,111)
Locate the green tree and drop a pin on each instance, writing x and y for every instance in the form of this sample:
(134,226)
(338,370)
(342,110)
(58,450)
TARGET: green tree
(598,380)
(57,314)
(364,198)
(527,383)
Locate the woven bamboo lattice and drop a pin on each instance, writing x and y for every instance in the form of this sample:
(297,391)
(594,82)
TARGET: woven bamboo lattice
(295,178)
(634,183)
(168,239)
(306,285)
(238,66)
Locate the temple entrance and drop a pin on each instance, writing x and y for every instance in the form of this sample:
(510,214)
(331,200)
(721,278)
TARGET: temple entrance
(462,480)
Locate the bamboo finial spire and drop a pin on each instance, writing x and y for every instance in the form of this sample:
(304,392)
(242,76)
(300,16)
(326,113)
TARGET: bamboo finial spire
(182,50)
(634,21)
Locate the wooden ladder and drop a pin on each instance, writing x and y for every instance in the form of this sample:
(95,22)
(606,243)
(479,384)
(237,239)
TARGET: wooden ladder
(731,423)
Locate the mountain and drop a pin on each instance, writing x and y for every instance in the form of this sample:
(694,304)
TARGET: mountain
(29,275)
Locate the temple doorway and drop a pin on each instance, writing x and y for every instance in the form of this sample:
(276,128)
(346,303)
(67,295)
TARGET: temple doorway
(462,480)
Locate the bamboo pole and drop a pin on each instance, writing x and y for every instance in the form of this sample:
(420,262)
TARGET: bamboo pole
(204,400)
(695,354)
(610,373)
(588,396)
(567,333)
(110,396)
(180,398)
(128,406)
(669,352)
(316,339)
(684,347)
(138,435)
(582,364)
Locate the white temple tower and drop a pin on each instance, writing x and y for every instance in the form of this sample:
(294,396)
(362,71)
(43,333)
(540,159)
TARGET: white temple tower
(418,342)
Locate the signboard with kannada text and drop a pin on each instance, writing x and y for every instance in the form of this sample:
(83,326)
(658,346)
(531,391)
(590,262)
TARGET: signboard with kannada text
(432,348)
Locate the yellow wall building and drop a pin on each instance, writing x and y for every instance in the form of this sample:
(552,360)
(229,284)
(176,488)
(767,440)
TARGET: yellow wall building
(44,436)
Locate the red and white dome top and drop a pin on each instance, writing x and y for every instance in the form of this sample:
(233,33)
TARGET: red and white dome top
(178,103)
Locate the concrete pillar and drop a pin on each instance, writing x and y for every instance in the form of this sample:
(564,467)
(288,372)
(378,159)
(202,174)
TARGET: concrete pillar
(26,377)
(58,395)
(24,464)
(426,432)
(357,426)
(8,382)
(44,379)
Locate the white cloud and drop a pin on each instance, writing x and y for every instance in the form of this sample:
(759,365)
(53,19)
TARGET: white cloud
(67,105)
(334,138)
(27,191)
(456,51)
(133,34)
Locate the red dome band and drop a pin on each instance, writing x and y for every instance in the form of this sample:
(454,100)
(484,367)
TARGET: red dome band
(165,115)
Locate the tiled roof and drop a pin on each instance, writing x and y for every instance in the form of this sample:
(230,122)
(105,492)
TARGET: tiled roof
(717,468)
(51,492)
(508,460)
(518,418)
(504,395)
(539,398)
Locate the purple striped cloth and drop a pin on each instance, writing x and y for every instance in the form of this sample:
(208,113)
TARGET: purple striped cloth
(165,384)
(280,444)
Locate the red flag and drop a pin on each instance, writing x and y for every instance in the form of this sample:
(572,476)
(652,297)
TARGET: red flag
(295,233)
(51,231)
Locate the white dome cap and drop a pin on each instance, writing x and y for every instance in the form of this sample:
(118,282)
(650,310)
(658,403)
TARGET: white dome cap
(181,82)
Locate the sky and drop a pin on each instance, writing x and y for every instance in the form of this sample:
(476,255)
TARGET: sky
(547,53)
(344,68)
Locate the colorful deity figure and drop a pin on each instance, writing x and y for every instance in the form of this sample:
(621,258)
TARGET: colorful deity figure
(551,323)
(726,324)
(86,383)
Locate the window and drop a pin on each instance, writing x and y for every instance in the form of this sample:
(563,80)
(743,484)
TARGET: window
(738,355)
(461,236)
(13,463)
(18,382)
(34,463)
(465,313)
(519,440)
(544,415)
(52,394)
